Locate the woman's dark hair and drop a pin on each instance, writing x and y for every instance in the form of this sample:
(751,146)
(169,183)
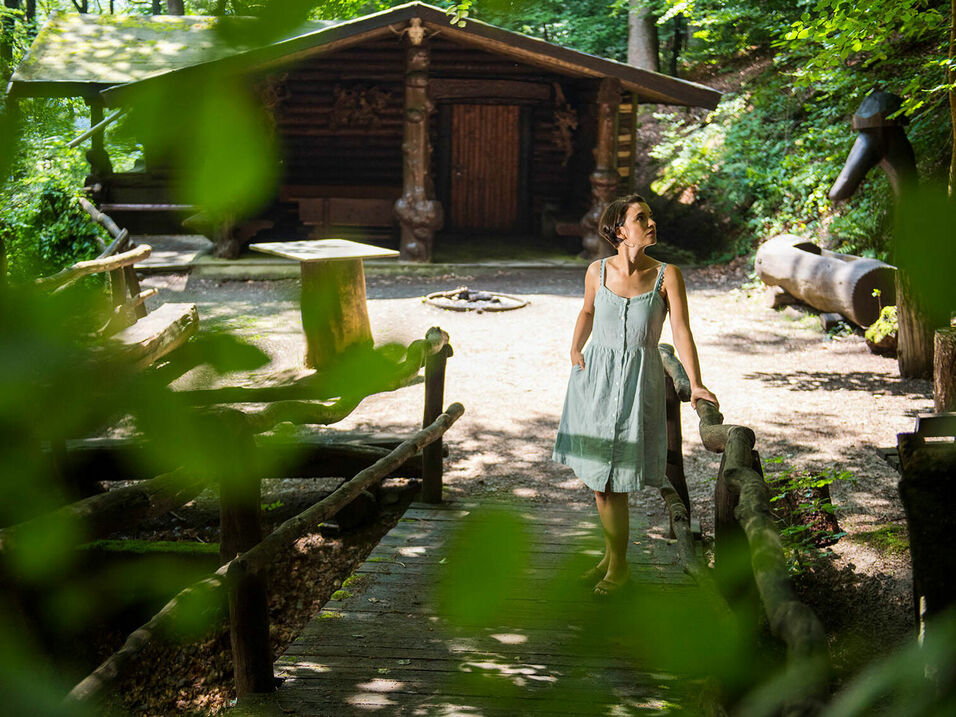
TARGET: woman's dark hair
(613,217)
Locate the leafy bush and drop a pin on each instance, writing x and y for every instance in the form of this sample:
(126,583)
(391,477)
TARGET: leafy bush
(801,505)
(43,226)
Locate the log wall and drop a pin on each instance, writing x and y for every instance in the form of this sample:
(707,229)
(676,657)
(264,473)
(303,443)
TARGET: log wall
(330,145)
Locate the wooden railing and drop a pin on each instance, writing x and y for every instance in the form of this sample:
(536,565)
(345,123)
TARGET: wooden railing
(742,504)
(245,553)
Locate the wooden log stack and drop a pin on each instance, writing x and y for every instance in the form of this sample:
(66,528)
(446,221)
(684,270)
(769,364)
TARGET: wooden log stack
(826,280)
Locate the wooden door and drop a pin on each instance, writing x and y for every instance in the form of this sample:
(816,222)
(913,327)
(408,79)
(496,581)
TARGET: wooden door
(485,150)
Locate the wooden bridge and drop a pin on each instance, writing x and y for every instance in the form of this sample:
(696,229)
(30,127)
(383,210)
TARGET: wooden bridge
(392,642)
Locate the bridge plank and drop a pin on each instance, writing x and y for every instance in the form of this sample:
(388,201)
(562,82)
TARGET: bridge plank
(382,644)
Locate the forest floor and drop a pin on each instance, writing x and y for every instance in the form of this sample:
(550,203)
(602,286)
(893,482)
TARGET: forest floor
(818,403)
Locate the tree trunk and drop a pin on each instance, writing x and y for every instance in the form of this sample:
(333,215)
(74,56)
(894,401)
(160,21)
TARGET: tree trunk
(156,8)
(915,335)
(678,42)
(6,33)
(944,371)
(642,40)
(175,7)
(951,79)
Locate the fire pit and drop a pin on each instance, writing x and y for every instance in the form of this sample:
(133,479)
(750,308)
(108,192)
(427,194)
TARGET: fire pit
(465,299)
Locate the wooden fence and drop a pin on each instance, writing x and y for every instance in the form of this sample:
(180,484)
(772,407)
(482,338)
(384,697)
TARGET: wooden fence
(742,505)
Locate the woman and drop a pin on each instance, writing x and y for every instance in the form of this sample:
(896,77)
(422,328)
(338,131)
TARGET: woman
(613,431)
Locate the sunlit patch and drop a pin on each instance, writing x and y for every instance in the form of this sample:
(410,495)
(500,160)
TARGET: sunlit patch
(569,484)
(412,551)
(520,674)
(304,666)
(525,492)
(369,700)
(510,638)
(381,685)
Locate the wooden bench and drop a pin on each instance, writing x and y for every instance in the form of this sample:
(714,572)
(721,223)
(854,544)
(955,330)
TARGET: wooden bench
(130,332)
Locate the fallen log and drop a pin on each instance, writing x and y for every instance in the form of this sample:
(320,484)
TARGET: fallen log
(826,280)
(99,515)
(115,459)
(256,559)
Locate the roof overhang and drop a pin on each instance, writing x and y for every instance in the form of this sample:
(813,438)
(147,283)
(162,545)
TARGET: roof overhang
(650,87)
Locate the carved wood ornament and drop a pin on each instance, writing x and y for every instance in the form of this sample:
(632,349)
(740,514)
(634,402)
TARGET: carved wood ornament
(358,107)
(565,122)
(272,92)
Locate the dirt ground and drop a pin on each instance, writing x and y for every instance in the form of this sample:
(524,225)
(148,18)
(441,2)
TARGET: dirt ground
(815,402)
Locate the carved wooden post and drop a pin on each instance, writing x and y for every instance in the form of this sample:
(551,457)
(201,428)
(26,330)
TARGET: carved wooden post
(432,468)
(604,178)
(418,212)
(239,505)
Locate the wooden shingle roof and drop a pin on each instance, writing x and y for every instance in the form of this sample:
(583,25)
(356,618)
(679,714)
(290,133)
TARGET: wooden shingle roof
(81,55)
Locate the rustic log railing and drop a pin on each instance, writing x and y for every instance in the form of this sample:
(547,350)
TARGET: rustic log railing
(742,503)
(245,553)
(243,576)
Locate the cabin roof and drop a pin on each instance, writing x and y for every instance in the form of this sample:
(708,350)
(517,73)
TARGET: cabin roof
(83,55)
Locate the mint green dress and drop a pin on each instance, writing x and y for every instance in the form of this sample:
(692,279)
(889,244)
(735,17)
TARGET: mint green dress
(613,427)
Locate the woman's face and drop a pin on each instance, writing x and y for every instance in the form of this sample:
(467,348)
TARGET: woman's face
(639,228)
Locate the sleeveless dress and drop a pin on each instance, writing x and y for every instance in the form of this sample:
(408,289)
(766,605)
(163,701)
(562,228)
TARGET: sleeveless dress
(613,426)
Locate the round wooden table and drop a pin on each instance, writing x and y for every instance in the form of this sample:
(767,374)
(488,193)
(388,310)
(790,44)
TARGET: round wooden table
(334,310)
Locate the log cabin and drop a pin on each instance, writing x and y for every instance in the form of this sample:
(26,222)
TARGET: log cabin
(398,127)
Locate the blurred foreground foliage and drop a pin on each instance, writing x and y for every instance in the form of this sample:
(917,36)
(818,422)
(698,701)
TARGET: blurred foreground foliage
(684,648)
(55,386)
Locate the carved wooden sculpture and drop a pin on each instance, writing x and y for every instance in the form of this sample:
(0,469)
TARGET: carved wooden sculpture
(882,141)
(419,213)
(604,178)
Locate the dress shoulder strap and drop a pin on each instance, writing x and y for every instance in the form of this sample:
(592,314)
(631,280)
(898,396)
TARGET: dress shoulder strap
(602,270)
(660,278)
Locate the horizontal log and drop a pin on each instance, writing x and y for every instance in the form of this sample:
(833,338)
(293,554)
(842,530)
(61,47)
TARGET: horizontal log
(828,281)
(317,386)
(99,515)
(118,459)
(257,558)
(84,268)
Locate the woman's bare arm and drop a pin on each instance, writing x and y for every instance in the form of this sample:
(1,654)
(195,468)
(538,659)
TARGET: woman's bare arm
(582,327)
(683,338)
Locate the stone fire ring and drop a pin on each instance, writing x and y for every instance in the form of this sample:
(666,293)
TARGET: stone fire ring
(465,299)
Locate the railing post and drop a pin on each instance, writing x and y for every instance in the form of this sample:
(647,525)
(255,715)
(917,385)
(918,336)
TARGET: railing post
(434,398)
(240,499)
(675,455)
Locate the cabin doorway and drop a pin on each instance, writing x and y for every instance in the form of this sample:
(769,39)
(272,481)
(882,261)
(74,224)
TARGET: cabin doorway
(485,176)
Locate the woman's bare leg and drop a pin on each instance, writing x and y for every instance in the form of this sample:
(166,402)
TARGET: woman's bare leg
(612,507)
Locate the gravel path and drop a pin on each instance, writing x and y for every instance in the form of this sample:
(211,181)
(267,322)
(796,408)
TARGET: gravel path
(813,401)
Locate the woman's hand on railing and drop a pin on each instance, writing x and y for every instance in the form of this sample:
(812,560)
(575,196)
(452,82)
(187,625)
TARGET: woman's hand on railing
(704,393)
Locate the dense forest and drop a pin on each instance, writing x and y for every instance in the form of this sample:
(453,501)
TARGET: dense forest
(793,73)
